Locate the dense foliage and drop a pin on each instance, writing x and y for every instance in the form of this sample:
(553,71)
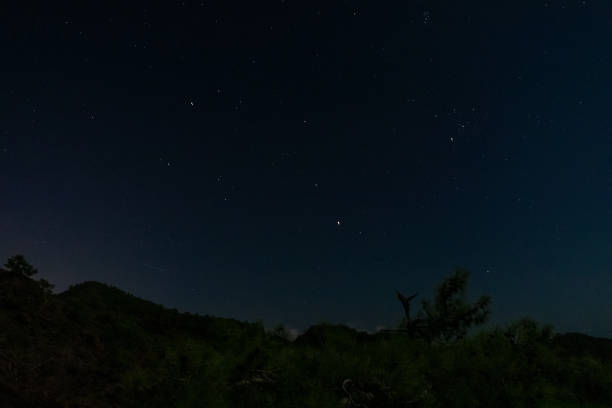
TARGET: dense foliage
(449,316)
(97,346)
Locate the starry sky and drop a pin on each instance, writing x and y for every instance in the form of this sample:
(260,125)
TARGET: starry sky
(296,161)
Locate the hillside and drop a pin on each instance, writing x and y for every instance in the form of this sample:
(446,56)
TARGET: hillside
(97,346)
(578,344)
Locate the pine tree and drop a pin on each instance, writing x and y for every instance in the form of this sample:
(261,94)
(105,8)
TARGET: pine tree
(18,264)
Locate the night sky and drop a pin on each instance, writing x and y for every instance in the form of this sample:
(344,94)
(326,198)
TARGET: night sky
(296,161)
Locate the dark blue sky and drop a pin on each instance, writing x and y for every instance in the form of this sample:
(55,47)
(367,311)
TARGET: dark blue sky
(296,161)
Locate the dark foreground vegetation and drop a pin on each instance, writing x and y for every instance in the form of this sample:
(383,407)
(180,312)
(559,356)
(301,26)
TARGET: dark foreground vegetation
(97,346)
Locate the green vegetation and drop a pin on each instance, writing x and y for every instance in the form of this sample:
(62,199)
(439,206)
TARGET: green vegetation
(449,317)
(97,346)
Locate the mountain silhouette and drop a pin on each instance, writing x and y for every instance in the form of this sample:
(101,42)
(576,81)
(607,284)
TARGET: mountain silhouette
(95,345)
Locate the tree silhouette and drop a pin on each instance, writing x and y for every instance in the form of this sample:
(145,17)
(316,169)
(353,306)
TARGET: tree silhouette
(18,264)
(449,317)
(406,302)
(45,285)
